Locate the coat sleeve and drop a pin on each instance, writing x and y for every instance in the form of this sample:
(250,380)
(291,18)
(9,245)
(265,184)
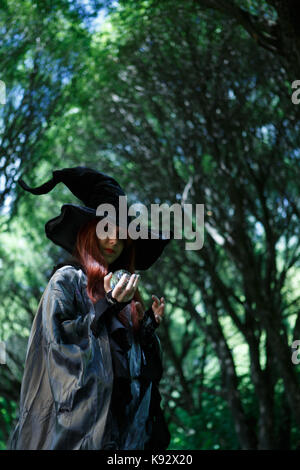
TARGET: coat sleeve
(148,337)
(75,362)
(151,346)
(103,310)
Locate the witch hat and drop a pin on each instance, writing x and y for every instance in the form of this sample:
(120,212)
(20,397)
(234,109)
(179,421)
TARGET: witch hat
(93,188)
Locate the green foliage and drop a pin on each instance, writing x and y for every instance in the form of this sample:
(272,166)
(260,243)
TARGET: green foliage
(172,100)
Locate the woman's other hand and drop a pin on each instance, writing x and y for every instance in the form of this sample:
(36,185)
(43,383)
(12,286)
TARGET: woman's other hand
(158,307)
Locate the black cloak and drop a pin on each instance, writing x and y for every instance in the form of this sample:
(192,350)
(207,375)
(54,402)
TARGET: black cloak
(77,374)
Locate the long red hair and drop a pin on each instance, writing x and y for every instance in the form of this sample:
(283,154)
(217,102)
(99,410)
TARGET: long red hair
(89,256)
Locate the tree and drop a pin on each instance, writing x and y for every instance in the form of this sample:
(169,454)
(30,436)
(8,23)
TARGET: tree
(181,106)
(273,24)
(181,93)
(40,66)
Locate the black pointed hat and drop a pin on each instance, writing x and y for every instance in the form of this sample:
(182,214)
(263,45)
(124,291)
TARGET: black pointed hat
(93,188)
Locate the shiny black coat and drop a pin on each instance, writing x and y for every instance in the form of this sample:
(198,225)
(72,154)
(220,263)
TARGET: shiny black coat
(77,381)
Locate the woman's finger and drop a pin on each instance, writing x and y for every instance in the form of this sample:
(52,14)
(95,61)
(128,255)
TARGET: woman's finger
(130,288)
(136,281)
(156,299)
(107,279)
(130,284)
(120,286)
(160,310)
(122,280)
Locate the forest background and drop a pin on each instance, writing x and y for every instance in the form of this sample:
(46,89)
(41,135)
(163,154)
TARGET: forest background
(182,102)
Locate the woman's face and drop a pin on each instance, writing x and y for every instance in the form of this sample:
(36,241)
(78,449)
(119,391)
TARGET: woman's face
(111,248)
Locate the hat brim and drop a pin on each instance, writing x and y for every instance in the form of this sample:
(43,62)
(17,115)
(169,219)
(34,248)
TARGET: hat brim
(62,231)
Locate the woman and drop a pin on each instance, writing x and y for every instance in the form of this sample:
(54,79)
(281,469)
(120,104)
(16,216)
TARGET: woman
(93,361)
